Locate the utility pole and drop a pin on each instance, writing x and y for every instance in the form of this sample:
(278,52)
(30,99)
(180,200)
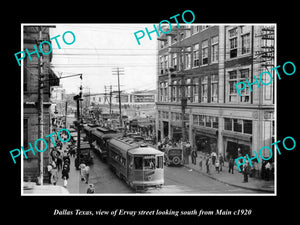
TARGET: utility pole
(66,111)
(183,84)
(40,111)
(40,107)
(78,98)
(184,99)
(110,98)
(119,72)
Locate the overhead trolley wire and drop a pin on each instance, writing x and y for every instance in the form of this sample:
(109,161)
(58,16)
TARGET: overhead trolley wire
(105,54)
(97,65)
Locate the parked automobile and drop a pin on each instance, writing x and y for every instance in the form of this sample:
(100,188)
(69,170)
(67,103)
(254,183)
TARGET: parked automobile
(174,156)
(84,155)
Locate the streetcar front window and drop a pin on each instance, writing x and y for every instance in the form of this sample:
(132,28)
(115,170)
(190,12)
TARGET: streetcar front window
(149,163)
(138,163)
(160,162)
(144,163)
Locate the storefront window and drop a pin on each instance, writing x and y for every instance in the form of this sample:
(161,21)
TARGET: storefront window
(228,124)
(195,119)
(201,120)
(215,122)
(235,149)
(205,143)
(237,125)
(208,121)
(248,126)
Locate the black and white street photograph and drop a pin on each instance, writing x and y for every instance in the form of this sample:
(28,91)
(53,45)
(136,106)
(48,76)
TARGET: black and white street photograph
(141,113)
(175,108)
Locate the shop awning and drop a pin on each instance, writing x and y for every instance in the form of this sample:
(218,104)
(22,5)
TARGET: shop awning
(53,78)
(240,136)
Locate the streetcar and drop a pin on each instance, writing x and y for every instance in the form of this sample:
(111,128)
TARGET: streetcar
(99,138)
(88,129)
(139,165)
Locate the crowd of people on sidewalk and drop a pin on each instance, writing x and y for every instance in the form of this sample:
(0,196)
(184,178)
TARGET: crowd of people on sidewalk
(217,161)
(59,161)
(211,159)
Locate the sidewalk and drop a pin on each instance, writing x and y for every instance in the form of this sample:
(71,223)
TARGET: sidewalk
(74,177)
(235,179)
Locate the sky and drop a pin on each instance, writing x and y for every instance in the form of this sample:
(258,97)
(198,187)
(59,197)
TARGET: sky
(98,48)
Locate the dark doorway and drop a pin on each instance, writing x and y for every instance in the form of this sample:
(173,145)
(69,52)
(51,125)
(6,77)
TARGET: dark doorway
(158,135)
(166,128)
(235,149)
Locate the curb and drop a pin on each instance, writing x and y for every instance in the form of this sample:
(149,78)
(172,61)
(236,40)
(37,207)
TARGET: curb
(234,185)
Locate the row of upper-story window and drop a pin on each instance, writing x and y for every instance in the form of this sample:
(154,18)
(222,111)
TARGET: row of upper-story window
(230,124)
(238,43)
(205,89)
(187,32)
(191,57)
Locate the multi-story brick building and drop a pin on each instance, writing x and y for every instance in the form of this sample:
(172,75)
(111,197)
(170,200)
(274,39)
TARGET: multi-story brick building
(211,60)
(30,98)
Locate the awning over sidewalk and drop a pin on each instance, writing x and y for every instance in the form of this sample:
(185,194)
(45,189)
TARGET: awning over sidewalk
(230,134)
(53,78)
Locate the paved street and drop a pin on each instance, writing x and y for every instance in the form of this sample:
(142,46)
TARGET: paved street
(104,180)
(183,180)
(178,180)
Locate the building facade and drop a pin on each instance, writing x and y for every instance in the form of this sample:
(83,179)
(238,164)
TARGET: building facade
(202,64)
(31,99)
(134,104)
(131,98)
(58,100)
